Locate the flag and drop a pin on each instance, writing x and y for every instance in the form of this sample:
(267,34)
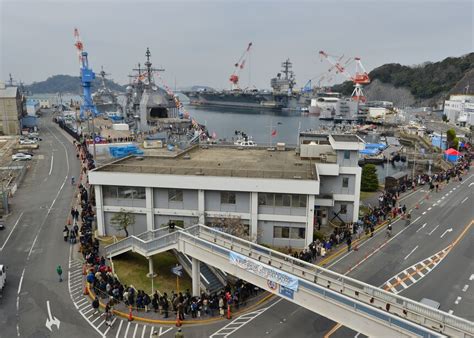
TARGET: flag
(214,135)
(274,133)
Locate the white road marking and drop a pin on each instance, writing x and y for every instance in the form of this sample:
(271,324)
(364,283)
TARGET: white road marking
(450,312)
(143,331)
(464,289)
(13,229)
(51,320)
(110,326)
(439,201)
(472,276)
(416,219)
(429,208)
(464,200)
(126,330)
(443,197)
(135,331)
(226,331)
(431,232)
(424,212)
(410,277)
(470,184)
(162,333)
(444,233)
(421,227)
(21,281)
(457,300)
(416,247)
(52,161)
(119,328)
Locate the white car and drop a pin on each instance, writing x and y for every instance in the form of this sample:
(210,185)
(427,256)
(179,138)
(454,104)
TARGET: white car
(27,141)
(21,157)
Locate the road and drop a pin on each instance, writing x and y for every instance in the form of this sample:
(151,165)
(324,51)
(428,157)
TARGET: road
(32,245)
(439,221)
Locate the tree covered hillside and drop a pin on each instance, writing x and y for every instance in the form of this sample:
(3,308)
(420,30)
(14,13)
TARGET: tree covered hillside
(67,84)
(424,81)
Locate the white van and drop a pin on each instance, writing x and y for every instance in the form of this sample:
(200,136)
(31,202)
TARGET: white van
(3,277)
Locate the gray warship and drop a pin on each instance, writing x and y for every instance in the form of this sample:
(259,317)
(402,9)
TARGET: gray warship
(151,109)
(282,97)
(105,99)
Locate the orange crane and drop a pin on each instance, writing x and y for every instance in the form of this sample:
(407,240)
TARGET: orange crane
(360,77)
(238,66)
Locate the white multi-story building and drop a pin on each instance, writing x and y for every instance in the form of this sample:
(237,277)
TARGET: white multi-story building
(459,109)
(277,195)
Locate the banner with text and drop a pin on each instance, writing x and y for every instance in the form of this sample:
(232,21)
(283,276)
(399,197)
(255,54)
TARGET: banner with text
(264,271)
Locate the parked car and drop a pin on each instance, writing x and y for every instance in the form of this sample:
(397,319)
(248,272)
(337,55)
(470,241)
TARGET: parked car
(3,277)
(21,157)
(27,141)
(34,138)
(33,134)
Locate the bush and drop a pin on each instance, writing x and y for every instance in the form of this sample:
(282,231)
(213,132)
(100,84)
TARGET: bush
(318,235)
(369,181)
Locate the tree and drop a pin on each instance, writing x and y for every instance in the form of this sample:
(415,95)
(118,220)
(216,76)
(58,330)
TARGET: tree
(234,226)
(369,181)
(445,118)
(451,139)
(122,220)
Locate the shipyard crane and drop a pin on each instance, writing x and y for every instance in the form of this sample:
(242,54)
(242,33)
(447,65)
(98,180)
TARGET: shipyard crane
(360,77)
(238,66)
(87,76)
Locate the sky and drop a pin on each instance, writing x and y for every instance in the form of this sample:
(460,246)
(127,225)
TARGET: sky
(198,41)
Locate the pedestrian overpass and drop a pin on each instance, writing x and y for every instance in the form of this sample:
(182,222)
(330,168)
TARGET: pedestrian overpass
(357,305)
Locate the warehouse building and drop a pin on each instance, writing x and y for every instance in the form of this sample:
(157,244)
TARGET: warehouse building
(11,110)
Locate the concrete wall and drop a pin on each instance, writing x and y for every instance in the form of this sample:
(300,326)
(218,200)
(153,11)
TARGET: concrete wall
(265,234)
(213,202)
(333,185)
(351,162)
(161,199)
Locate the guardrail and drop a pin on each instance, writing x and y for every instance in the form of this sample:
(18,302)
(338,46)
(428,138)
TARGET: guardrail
(313,278)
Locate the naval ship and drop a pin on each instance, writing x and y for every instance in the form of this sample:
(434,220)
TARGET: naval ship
(152,109)
(105,99)
(282,97)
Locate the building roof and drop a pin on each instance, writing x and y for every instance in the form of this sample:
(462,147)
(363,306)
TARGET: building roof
(221,161)
(8,92)
(346,138)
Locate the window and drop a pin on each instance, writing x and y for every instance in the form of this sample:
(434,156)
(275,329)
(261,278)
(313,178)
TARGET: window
(109,191)
(281,232)
(298,201)
(343,210)
(227,197)
(345,182)
(175,195)
(278,200)
(286,200)
(297,233)
(347,155)
(131,192)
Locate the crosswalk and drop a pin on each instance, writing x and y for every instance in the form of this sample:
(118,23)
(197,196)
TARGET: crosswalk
(120,327)
(414,273)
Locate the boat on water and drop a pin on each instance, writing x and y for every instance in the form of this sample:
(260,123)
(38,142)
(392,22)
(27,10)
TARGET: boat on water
(283,97)
(244,140)
(106,100)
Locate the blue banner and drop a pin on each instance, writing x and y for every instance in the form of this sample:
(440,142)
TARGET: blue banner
(287,292)
(264,271)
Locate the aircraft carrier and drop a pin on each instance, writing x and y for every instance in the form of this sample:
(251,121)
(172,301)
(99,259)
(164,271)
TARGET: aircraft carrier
(282,97)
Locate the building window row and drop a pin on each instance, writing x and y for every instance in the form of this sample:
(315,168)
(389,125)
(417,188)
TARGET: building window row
(289,232)
(282,200)
(119,192)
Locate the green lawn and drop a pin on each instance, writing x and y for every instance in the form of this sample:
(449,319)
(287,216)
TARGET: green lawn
(131,268)
(367,194)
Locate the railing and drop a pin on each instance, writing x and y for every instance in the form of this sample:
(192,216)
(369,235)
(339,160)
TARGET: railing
(312,278)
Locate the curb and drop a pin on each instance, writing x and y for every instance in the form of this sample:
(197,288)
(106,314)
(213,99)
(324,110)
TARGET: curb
(185,322)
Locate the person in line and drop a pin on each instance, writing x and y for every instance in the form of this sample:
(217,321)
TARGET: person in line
(66,233)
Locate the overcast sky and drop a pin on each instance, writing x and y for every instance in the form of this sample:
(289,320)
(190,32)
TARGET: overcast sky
(197,42)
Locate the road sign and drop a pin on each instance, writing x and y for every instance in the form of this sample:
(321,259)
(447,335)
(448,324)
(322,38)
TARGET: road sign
(177,270)
(287,292)
(97,139)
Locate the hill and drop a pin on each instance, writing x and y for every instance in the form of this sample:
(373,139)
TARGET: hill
(67,84)
(421,84)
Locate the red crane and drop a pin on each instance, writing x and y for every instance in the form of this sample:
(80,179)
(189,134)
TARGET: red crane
(238,66)
(79,45)
(360,77)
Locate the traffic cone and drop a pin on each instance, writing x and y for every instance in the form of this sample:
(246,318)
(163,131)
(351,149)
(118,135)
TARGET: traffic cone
(130,316)
(228,312)
(417,205)
(68,221)
(86,289)
(178,322)
(356,246)
(427,196)
(84,270)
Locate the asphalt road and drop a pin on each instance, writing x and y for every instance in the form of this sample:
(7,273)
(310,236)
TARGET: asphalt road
(32,245)
(438,222)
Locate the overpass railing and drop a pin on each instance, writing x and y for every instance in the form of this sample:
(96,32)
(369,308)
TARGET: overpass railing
(311,277)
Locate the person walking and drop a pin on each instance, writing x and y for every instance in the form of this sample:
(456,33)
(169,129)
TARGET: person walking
(73,180)
(59,271)
(349,243)
(95,304)
(66,233)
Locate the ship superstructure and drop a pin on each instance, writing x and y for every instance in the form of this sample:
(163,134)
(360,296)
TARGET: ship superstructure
(105,99)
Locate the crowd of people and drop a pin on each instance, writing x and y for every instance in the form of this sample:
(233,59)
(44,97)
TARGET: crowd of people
(388,208)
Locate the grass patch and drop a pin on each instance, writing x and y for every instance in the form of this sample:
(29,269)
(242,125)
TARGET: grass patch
(131,268)
(367,194)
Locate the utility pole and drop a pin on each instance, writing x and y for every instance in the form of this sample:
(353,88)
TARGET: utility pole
(414,162)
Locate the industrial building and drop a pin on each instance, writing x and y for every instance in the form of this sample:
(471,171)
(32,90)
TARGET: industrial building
(459,109)
(11,110)
(277,195)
